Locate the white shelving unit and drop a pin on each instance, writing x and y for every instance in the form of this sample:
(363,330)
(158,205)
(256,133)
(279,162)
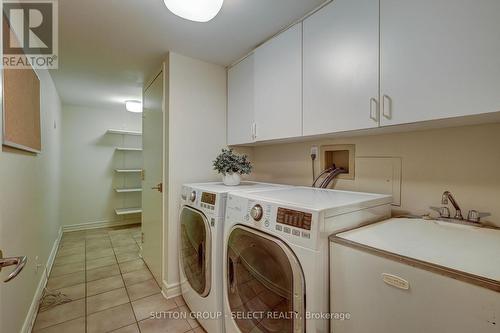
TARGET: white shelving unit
(125,171)
(128,170)
(127,149)
(124,132)
(128,211)
(128,190)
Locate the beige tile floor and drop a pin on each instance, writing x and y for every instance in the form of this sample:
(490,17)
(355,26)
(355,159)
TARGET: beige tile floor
(110,287)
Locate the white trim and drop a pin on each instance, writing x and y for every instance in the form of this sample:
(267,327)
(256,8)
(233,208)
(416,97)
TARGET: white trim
(53,252)
(171,291)
(99,224)
(31,316)
(20,147)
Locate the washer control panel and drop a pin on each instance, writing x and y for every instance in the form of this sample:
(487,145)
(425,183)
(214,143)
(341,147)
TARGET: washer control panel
(295,225)
(256,212)
(294,218)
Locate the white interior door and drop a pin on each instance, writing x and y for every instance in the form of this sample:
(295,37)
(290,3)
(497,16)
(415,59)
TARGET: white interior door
(11,265)
(15,192)
(152,184)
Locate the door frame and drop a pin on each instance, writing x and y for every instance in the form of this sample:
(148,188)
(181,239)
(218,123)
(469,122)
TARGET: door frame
(161,72)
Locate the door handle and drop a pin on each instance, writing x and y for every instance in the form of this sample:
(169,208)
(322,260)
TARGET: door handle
(387,107)
(20,262)
(158,187)
(374,102)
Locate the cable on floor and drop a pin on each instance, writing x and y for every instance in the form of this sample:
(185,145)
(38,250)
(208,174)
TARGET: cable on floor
(51,298)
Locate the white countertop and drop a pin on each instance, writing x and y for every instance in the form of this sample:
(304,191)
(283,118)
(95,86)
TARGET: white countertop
(332,202)
(468,249)
(219,187)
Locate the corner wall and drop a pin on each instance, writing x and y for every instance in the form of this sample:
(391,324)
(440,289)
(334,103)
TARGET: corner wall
(29,212)
(463,160)
(88,162)
(196,107)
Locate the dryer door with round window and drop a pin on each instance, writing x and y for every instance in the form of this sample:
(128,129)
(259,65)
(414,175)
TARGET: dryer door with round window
(195,245)
(265,283)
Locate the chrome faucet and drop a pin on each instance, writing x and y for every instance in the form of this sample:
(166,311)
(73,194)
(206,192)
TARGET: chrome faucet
(474,217)
(448,197)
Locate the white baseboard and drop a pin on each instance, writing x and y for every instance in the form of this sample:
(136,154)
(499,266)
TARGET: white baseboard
(171,290)
(99,224)
(31,316)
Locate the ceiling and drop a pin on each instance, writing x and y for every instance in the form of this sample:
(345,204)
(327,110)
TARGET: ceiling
(109,48)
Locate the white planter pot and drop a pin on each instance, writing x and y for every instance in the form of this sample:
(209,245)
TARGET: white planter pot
(231,179)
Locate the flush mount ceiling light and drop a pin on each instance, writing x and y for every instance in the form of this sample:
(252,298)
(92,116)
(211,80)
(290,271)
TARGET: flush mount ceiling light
(195,10)
(133,106)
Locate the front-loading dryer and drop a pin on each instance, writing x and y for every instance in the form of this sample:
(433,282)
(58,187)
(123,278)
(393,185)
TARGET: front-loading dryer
(276,255)
(201,247)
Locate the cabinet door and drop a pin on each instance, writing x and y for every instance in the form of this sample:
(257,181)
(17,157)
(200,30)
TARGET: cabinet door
(278,86)
(341,59)
(240,102)
(439,59)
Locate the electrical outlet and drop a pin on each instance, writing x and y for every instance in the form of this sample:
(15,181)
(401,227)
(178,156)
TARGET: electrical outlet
(37,264)
(314,151)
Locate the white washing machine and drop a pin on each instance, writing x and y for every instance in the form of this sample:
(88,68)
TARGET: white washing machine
(276,255)
(201,247)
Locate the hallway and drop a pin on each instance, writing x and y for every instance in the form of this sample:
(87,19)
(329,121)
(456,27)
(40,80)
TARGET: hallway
(110,288)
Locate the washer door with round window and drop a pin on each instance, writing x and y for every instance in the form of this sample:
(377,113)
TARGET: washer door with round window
(195,249)
(265,286)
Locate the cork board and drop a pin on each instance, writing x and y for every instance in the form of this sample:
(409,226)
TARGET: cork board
(21,96)
(21,107)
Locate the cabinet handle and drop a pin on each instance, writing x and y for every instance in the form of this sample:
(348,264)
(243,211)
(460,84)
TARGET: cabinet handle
(254,131)
(387,107)
(373,101)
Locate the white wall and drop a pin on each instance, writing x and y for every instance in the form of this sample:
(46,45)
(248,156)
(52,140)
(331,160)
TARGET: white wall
(88,162)
(29,210)
(463,160)
(196,133)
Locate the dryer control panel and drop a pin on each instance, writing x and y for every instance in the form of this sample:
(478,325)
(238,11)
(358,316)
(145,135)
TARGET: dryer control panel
(211,204)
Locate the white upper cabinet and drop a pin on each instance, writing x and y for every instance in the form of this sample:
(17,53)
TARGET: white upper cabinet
(359,64)
(240,102)
(278,86)
(341,59)
(439,59)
